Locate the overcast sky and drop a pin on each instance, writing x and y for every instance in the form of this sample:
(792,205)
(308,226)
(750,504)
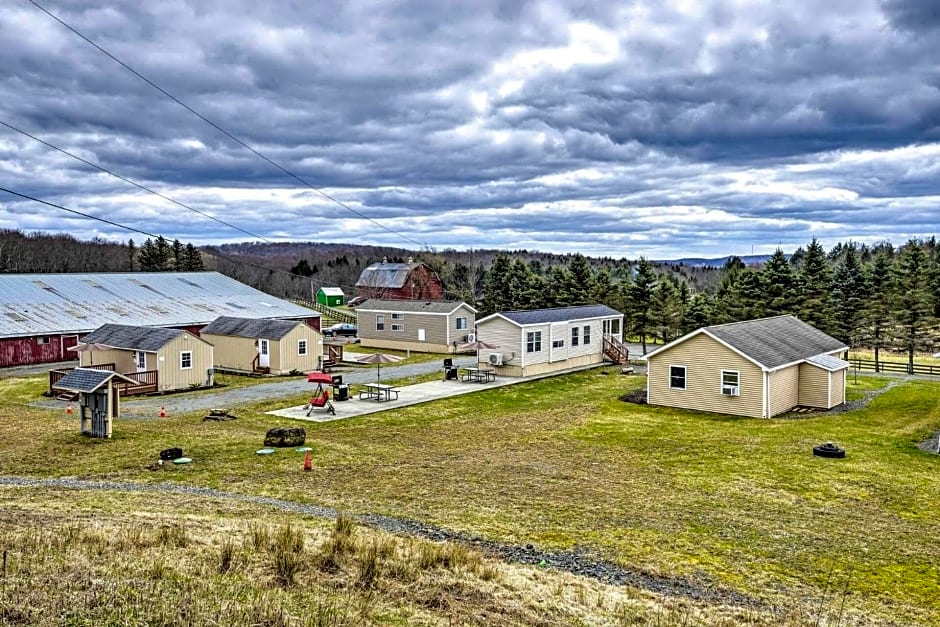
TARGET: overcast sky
(654,128)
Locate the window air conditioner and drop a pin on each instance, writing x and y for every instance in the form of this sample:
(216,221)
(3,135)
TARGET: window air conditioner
(470,337)
(731,390)
(496,359)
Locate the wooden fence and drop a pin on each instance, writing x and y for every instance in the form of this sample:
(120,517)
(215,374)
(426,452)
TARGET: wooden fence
(894,366)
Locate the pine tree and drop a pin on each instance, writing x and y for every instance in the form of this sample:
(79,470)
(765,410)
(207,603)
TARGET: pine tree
(131,255)
(667,309)
(698,314)
(849,293)
(779,285)
(177,249)
(496,294)
(640,301)
(876,317)
(518,284)
(603,290)
(192,259)
(913,308)
(816,285)
(580,280)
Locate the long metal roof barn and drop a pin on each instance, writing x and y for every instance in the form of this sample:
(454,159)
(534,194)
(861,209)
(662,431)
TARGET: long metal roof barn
(49,304)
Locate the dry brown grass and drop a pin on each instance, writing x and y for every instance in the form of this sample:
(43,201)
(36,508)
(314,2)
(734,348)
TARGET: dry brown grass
(163,568)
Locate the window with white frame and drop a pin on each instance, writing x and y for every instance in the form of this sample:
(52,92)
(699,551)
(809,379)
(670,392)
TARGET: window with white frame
(533,342)
(677,377)
(301,347)
(398,327)
(461,323)
(398,316)
(558,343)
(380,322)
(730,382)
(186,360)
(574,336)
(586,337)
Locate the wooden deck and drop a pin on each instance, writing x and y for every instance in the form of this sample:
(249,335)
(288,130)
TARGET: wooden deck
(147,382)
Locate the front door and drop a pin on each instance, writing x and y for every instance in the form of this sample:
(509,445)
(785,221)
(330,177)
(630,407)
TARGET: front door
(140,358)
(264,354)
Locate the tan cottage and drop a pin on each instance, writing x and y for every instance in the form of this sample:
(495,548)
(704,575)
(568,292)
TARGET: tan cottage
(540,341)
(160,359)
(426,326)
(756,368)
(256,345)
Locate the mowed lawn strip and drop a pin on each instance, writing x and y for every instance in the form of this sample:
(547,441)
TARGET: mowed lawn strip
(564,463)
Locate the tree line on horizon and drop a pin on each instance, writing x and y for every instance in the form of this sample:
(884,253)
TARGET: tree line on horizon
(880,297)
(876,297)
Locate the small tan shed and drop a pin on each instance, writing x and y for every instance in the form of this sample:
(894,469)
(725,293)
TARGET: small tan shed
(164,359)
(264,346)
(756,368)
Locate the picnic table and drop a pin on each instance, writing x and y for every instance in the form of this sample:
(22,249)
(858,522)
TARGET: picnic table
(478,375)
(379,392)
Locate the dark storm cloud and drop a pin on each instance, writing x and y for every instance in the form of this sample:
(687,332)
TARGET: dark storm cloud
(623,128)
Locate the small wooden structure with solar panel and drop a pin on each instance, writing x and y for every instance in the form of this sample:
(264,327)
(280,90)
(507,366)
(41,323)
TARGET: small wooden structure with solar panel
(99,398)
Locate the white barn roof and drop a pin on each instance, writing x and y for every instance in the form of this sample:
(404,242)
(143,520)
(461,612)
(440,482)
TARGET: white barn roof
(40,304)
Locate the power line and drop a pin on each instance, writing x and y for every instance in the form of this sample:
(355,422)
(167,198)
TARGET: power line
(79,213)
(127,180)
(222,130)
(148,234)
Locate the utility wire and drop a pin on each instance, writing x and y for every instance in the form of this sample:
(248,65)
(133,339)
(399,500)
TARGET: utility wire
(222,130)
(148,234)
(127,180)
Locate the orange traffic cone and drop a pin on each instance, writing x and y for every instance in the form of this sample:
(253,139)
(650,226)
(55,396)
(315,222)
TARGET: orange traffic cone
(68,409)
(307,464)
(163,412)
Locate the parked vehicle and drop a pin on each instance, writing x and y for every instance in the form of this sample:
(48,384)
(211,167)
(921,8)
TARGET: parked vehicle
(341,329)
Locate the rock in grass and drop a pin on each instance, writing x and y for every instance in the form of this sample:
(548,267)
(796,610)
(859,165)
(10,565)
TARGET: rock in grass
(285,436)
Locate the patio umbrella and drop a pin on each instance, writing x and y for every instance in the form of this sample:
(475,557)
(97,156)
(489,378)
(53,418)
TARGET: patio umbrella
(378,359)
(478,346)
(87,347)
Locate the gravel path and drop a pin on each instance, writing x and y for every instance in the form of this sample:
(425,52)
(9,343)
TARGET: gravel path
(576,562)
(233,399)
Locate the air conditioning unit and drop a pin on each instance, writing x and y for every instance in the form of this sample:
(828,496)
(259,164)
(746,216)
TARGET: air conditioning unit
(470,337)
(496,359)
(731,390)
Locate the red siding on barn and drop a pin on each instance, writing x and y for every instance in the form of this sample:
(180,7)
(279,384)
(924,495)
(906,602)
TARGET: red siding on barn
(422,284)
(23,351)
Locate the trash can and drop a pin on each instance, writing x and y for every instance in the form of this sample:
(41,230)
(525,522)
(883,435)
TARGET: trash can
(450,373)
(337,379)
(341,392)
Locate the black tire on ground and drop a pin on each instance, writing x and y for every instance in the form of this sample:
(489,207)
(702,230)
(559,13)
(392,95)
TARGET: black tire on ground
(828,450)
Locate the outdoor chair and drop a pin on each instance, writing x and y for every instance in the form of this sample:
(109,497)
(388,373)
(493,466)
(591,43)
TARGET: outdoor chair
(321,401)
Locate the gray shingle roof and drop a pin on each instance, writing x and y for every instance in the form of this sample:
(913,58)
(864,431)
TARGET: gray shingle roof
(560,314)
(85,380)
(416,306)
(248,327)
(389,275)
(45,304)
(773,342)
(149,339)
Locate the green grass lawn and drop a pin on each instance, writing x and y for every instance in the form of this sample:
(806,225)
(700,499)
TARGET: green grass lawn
(564,463)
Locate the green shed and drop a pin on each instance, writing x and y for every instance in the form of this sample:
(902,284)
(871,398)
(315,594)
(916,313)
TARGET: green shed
(330,296)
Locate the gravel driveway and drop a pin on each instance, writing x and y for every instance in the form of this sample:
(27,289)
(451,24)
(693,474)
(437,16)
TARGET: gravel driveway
(233,399)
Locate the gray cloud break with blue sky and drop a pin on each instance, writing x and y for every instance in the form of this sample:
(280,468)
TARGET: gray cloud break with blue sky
(664,129)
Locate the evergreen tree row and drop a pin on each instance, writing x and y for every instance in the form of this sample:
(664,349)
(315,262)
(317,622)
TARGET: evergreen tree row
(877,298)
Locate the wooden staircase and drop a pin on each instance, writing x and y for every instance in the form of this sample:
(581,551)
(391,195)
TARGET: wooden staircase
(615,350)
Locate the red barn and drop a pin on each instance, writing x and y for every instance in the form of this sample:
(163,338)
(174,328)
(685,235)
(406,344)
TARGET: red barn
(400,281)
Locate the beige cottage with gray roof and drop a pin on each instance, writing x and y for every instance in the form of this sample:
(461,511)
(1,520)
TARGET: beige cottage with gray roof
(426,326)
(757,368)
(264,346)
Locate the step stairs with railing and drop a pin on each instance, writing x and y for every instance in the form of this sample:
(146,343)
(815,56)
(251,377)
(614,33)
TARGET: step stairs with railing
(615,350)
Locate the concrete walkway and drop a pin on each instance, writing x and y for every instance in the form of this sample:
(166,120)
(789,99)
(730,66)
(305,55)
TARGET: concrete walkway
(407,395)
